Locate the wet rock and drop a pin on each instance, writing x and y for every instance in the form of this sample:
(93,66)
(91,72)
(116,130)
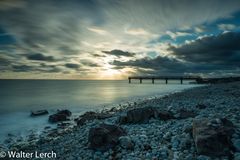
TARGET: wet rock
(39,113)
(105,136)
(63,125)
(212,137)
(61,115)
(65,112)
(126,142)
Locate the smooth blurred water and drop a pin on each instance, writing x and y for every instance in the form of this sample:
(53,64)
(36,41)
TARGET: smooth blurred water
(19,97)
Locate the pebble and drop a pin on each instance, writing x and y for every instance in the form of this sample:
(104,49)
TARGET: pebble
(237,156)
(202,157)
(236,144)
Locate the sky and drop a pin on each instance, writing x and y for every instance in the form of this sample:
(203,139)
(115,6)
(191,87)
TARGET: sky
(114,39)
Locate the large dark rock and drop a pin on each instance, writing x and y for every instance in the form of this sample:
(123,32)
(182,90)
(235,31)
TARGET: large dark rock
(61,115)
(213,137)
(104,137)
(142,115)
(88,116)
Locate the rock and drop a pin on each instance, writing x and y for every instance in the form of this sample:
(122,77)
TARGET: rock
(65,112)
(164,115)
(175,142)
(212,137)
(105,136)
(147,147)
(61,115)
(123,119)
(140,115)
(237,156)
(85,117)
(88,116)
(63,125)
(167,136)
(39,113)
(202,157)
(201,106)
(126,142)
(143,115)
(236,144)
(182,114)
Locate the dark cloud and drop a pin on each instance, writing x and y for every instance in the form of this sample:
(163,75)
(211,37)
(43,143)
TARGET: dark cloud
(119,53)
(154,66)
(156,63)
(205,55)
(22,68)
(42,68)
(72,65)
(89,63)
(223,49)
(40,57)
(4,61)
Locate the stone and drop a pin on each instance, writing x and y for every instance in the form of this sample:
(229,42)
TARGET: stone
(213,138)
(140,115)
(167,135)
(65,112)
(163,115)
(88,116)
(202,157)
(201,106)
(183,114)
(143,115)
(39,113)
(237,156)
(236,144)
(147,147)
(61,115)
(126,142)
(104,136)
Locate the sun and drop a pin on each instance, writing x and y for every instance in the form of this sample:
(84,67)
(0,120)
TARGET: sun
(111,74)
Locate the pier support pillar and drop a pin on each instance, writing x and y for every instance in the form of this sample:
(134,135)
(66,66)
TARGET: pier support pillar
(129,80)
(152,80)
(181,81)
(140,80)
(166,81)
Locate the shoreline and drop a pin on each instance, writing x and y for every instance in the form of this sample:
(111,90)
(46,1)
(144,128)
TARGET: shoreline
(164,137)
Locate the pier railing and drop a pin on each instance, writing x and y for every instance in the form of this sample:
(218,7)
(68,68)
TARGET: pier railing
(166,78)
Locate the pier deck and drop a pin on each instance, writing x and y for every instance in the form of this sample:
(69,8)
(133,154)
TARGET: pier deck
(166,78)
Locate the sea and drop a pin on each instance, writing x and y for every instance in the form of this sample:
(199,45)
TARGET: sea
(19,97)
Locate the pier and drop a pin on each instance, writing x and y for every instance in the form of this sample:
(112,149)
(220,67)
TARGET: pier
(166,78)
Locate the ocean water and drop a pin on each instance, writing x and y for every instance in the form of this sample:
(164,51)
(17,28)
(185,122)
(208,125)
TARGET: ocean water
(19,97)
